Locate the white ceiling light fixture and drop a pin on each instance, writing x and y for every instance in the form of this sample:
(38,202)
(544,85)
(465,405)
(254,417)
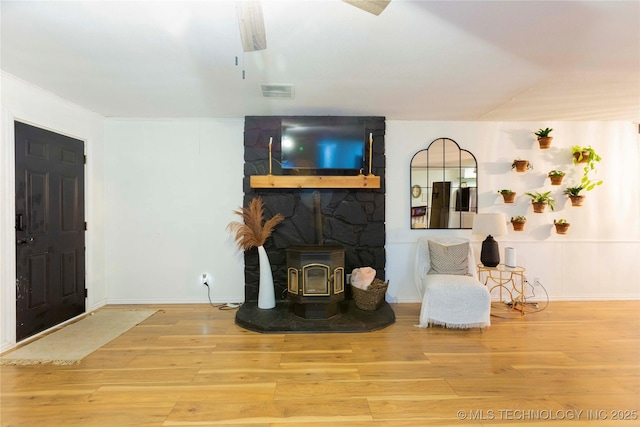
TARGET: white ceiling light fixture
(281,91)
(252,32)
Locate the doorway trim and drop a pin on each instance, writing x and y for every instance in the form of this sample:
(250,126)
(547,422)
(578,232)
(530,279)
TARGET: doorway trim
(7,228)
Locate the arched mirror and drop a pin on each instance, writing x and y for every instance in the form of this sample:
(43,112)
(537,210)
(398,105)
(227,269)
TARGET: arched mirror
(444,189)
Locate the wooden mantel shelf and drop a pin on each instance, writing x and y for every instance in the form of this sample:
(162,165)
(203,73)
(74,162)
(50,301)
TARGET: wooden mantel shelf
(314,181)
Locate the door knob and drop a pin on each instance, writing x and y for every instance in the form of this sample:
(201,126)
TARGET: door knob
(25,241)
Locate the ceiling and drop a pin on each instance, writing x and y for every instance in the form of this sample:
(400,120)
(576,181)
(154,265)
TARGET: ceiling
(417,60)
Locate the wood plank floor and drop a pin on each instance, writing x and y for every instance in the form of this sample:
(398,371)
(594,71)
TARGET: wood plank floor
(190,365)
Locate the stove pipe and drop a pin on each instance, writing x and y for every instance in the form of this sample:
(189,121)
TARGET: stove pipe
(317,217)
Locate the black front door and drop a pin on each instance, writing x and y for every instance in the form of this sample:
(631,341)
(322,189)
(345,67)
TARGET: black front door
(50,254)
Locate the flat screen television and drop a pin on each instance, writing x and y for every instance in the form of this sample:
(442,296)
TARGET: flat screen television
(323,145)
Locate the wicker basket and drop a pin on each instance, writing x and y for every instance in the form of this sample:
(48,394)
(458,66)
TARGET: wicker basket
(372,298)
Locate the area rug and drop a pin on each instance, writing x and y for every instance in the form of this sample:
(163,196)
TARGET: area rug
(75,341)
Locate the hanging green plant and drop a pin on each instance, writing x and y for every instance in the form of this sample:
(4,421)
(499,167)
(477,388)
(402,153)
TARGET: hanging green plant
(585,155)
(589,157)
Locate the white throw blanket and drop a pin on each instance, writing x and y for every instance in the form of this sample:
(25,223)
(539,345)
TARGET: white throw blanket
(442,303)
(450,300)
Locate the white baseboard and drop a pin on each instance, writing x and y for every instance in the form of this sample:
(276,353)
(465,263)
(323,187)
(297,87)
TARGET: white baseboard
(171,301)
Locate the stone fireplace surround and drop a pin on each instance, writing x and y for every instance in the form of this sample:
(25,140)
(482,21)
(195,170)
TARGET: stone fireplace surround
(353,218)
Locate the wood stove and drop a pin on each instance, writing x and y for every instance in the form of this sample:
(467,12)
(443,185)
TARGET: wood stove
(315,280)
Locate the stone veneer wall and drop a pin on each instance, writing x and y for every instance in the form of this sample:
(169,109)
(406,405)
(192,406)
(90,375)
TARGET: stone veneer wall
(353,218)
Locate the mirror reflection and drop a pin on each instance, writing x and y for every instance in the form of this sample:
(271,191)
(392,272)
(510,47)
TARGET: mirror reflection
(443,186)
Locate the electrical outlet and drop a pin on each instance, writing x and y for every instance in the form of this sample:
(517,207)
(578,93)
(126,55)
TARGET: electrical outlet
(205,280)
(536,281)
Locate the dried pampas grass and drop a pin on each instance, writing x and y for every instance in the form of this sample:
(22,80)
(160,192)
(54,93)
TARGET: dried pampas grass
(253,230)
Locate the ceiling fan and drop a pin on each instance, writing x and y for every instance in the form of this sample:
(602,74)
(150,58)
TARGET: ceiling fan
(251,21)
(372,6)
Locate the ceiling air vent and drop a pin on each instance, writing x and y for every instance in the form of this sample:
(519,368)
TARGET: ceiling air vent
(278,91)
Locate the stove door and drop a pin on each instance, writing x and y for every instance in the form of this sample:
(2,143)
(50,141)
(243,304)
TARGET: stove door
(315,280)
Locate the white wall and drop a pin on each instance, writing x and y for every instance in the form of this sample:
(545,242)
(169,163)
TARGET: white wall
(24,102)
(596,260)
(171,188)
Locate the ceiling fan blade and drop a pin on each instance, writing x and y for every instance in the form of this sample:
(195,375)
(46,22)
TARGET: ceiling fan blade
(251,23)
(372,6)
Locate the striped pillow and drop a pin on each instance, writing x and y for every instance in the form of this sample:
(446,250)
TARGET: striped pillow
(449,259)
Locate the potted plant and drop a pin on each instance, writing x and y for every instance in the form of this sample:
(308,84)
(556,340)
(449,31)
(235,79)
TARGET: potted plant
(521,165)
(574,195)
(562,226)
(508,195)
(556,177)
(585,155)
(518,222)
(589,156)
(544,140)
(541,200)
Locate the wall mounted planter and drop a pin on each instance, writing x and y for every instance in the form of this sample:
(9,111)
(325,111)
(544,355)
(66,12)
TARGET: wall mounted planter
(521,165)
(545,142)
(562,228)
(556,179)
(518,225)
(581,159)
(577,200)
(543,137)
(508,197)
(539,207)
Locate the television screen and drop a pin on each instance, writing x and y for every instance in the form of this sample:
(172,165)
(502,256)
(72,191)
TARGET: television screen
(320,143)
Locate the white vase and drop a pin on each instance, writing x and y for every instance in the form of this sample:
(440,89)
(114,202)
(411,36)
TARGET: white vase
(266,293)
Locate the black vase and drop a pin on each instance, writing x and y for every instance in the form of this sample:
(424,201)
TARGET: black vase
(490,254)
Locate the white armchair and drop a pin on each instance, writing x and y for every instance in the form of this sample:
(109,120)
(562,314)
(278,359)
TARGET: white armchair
(455,299)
